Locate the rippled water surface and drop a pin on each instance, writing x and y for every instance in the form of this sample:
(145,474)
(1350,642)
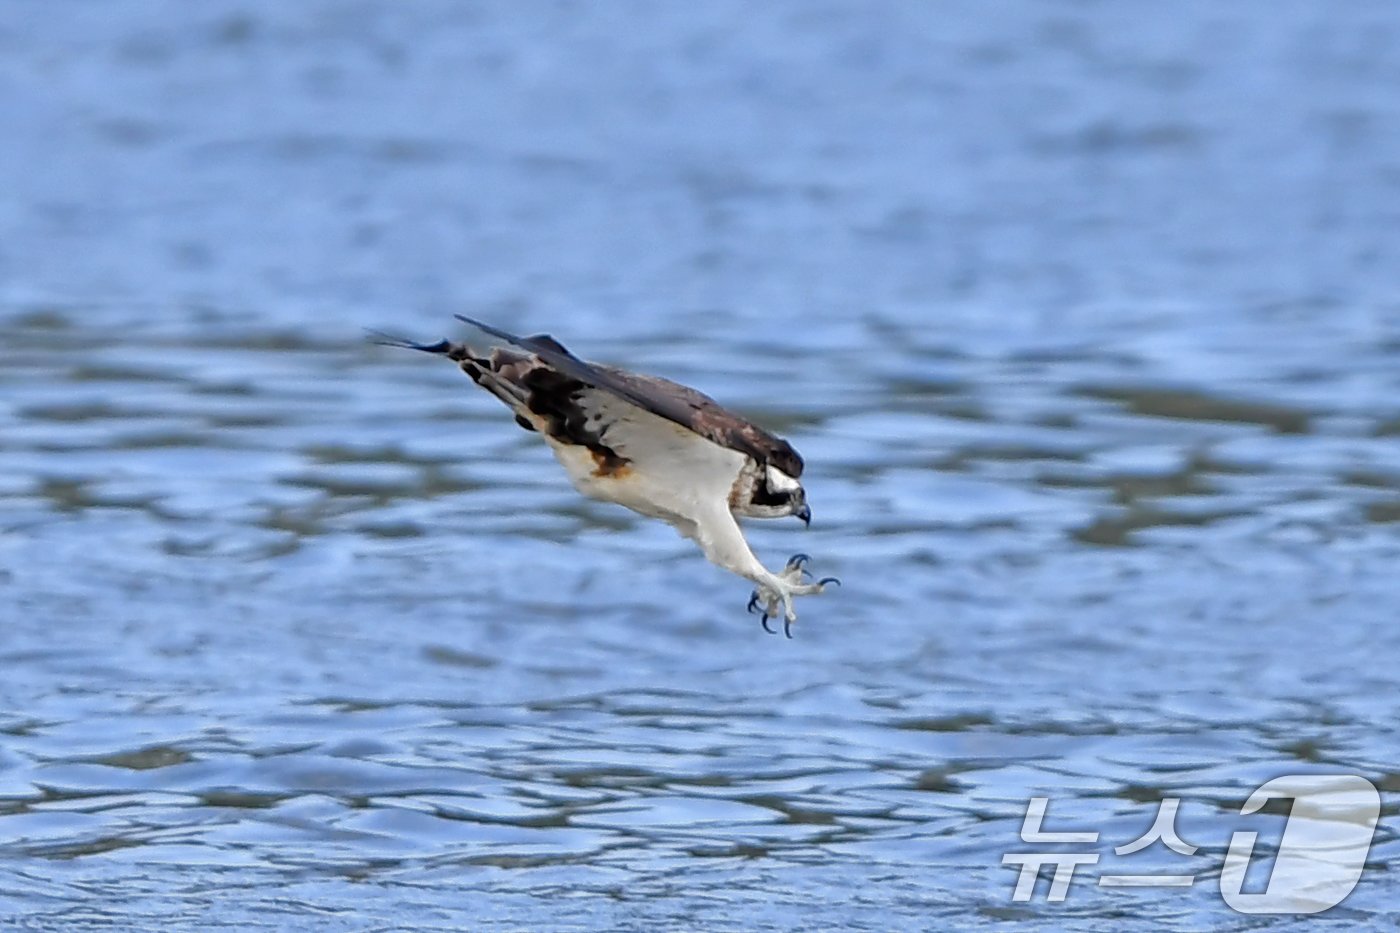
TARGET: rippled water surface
(1083,315)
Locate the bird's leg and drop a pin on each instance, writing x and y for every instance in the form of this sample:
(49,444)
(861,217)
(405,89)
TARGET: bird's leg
(776,595)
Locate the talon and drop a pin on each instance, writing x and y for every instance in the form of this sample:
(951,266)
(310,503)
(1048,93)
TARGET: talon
(764,622)
(787,627)
(753,602)
(825,580)
(797,560)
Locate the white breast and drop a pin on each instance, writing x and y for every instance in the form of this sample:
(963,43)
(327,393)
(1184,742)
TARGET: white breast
(672,473)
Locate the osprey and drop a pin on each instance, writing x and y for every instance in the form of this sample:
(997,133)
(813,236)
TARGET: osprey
(659,448)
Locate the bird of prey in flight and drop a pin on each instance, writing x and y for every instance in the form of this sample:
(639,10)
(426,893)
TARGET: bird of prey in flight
(652,445)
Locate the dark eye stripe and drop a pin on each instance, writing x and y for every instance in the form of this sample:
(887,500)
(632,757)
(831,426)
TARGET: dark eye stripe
(765,496)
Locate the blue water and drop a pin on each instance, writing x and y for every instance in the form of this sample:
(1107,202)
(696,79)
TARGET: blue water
(1083,314)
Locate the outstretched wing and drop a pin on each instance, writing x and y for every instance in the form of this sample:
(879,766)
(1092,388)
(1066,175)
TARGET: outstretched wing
(676,403)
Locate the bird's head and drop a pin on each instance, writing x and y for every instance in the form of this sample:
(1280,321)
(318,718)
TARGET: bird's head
(776,494)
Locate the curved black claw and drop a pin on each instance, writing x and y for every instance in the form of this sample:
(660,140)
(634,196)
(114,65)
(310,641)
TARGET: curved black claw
(764,622)
(787,627)
(753,602)
(797,560)
(825,580)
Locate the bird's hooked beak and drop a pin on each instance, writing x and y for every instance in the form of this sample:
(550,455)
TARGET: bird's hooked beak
(804,513)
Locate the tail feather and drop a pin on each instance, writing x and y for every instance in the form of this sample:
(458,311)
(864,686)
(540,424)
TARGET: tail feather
(447,348)
(485,372)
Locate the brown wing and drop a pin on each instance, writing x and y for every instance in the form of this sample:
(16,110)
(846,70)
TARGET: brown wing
(672,401)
